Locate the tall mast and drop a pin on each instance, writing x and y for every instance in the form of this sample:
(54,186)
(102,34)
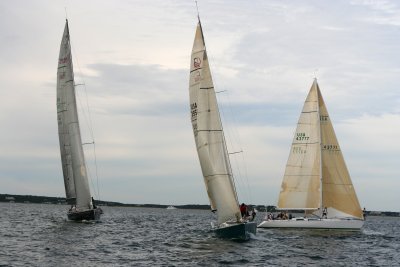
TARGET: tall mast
(320,145)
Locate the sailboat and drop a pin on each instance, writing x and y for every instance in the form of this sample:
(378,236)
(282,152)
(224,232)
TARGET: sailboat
(316,178)
(211,147)
(72,157)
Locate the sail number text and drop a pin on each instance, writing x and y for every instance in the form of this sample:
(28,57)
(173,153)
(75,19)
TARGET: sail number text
(299,150)
(330,147)
(323,118)
(193,111)
(301,137)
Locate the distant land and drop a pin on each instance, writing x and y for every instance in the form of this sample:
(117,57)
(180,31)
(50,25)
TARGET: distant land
(61,200)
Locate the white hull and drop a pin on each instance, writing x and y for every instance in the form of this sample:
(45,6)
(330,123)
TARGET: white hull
(334,223)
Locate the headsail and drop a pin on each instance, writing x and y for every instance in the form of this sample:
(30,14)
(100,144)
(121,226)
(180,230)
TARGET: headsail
(301,183)
(338,193)
(209,136)
(72,157)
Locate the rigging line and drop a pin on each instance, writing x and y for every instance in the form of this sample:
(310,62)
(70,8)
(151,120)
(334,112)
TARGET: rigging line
(96,189)
(224,117)
(197,8)
(95,162)
(238,164)
(237,135)
(88,120)
(66,15)
(86,164)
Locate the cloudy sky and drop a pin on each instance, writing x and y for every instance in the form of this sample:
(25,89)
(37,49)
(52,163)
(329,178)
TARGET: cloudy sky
(133,57)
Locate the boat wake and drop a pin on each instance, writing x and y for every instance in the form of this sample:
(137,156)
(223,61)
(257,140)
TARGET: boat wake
(372,232)
(88,221)
(258,237)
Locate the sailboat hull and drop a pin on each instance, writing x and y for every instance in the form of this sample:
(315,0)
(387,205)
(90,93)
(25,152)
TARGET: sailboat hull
(334,223)
(241,231)
(88,215)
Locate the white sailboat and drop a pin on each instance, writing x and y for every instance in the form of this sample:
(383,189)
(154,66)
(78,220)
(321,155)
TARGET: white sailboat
(211,146)
(316,178)
(72,156)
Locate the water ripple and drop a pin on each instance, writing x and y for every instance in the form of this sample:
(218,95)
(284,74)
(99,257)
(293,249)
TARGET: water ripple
(39,235)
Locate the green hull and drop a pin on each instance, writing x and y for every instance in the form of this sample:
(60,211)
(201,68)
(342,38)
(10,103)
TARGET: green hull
(240,231)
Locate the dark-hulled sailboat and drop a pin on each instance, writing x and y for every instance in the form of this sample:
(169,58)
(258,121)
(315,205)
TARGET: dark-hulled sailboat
(211,147)
(72,157)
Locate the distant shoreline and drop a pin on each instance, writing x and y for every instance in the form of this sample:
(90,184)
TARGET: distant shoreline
(61,200)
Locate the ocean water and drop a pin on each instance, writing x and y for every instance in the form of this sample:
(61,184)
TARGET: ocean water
(40,235)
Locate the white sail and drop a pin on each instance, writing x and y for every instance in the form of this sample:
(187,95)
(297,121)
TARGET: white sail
(316,175)
(72,157)
(209,136)
(301,183)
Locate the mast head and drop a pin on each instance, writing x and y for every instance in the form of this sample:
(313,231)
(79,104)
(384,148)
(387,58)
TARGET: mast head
(197,8)
(315,81)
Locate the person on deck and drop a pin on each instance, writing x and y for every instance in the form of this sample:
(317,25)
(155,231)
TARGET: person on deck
(243,210)
(94,205)
(325,213)
(253,215)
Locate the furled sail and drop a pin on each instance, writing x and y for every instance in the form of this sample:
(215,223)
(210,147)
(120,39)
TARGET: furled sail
(301,182)
(338,193)
(72,157)
(209,136)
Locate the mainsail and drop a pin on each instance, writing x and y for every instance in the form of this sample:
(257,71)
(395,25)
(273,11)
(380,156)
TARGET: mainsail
(301,182)
(316,175)
(72,157)
(209,136)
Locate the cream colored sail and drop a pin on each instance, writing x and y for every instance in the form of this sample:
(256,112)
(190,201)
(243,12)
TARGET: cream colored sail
(338,193)
(316,175)
(209,136)
(301,185)
(72,157)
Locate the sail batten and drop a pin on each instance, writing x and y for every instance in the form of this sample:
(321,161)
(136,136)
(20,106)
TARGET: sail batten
(209,136)
(72,157)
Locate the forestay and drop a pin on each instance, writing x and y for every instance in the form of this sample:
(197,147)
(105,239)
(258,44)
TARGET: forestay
(209,136)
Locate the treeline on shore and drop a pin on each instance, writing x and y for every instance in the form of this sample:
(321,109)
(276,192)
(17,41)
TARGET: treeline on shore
(62,200)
